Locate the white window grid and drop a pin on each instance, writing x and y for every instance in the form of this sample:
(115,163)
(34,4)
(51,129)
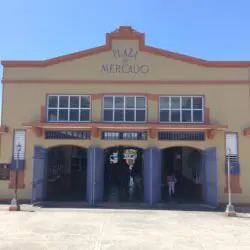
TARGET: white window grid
(181,109)
(124,108)
(79,108)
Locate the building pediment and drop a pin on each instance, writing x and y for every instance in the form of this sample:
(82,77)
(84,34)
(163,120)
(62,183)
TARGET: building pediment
(124,59)
(125,33)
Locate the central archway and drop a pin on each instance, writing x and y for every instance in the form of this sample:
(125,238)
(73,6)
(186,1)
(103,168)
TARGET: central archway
(185,164)
(66,173)
(123,174)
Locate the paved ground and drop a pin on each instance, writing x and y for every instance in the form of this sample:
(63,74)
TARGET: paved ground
(95,229)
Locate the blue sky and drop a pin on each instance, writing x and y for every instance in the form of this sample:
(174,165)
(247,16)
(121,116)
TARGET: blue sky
(209,29)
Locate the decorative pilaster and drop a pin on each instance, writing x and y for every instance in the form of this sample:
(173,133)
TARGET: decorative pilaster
(152,175)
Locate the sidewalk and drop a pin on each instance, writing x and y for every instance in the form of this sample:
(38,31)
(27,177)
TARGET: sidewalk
(81,205)
(113,229)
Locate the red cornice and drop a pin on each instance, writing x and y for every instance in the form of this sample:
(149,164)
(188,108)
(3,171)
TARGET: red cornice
(158,126)
(63,81)
(128,33)
(152,128)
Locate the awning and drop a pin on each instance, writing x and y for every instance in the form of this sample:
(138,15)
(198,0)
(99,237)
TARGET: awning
(151,127)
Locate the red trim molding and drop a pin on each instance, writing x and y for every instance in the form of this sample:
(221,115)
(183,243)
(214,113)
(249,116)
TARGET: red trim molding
(161,126)
(128,33)
(100,81)
(246,132)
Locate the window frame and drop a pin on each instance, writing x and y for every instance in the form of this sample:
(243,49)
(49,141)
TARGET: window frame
(181,109)
(124,109)
(68,108)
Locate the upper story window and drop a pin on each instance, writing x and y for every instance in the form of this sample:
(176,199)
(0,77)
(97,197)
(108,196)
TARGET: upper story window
(68,108)
(124,109)
(181,109)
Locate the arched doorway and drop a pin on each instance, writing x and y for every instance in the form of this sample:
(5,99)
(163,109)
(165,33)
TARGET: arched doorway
(66,173)
(185,164)
(123,174)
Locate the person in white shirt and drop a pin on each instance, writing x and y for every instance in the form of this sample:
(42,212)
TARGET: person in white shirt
(131,187)
(171,185)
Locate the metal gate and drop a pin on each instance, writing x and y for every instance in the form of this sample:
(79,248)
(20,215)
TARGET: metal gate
(152,175)
(39,176)
(95,175)
(210,176)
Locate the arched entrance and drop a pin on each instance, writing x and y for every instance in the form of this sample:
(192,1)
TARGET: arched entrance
(66,173)
(185,163)
(123,174)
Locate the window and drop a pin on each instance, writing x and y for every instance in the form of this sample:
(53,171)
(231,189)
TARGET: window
(64,108)
(124,109)
(4,171)
(181,109)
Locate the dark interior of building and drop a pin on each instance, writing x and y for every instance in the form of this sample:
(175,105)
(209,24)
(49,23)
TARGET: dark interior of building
(120,182)
(184,163)
(67,173)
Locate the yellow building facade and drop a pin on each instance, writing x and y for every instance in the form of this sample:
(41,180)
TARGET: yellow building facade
(126,94)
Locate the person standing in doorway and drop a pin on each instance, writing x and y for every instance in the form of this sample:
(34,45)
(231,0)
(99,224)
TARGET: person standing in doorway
(131,187)
(171,185)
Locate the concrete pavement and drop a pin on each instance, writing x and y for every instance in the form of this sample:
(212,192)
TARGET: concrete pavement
(111,229)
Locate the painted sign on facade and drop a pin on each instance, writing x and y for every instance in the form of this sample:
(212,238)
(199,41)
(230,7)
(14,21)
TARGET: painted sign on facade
(124,136)
(127,63)
(74,135)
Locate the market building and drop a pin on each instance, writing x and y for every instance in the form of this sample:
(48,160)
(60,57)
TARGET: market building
(79,126)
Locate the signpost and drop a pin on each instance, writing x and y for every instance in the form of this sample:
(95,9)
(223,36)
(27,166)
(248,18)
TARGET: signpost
(15,206)
(230,211)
